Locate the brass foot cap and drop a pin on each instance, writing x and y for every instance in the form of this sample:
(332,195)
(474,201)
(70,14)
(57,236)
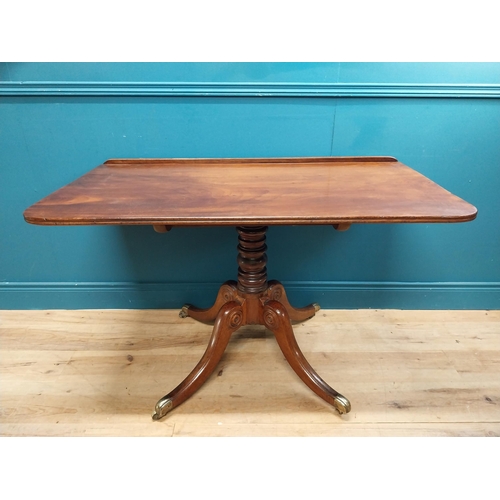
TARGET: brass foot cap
(342,404)
(184,311)
(316,307)
(162,408)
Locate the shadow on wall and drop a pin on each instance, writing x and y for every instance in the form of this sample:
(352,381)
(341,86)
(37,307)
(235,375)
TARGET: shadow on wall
(314,254)
(207,255)
(183,255)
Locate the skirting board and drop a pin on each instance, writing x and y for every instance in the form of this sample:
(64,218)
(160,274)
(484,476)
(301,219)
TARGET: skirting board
(248,89)
(330,295)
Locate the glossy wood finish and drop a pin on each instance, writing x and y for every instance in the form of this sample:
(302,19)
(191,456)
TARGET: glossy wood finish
(329,190)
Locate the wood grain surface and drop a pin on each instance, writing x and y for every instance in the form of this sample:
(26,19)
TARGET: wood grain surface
(100,372)
(330,190)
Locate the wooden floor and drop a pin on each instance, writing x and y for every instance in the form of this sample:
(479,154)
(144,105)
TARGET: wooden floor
(100,373)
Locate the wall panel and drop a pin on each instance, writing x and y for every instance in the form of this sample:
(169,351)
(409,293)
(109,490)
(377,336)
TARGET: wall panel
(58,121)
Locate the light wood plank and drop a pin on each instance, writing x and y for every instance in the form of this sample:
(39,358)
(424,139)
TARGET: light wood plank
(468,429)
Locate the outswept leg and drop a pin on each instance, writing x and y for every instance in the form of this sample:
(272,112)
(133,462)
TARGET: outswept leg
(276,291)
(277,320)
(227,292)
(229,319)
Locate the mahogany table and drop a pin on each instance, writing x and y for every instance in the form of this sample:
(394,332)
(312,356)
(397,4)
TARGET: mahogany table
(250,194)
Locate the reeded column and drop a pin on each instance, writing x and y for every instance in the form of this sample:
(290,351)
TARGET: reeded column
(252,259)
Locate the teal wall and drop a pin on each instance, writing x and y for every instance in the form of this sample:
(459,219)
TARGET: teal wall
(57,121)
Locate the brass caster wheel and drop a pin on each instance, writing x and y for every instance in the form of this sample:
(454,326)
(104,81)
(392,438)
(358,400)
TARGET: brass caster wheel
(162,408)
(183,313)
(342,404)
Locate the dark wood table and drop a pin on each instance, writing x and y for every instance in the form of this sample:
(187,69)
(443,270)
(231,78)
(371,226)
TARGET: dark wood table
(250,194)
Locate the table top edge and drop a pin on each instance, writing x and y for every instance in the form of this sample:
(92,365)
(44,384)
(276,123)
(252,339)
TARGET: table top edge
(117,162)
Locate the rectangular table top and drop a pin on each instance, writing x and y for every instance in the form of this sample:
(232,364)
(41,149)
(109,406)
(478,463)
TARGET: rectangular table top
(267,191)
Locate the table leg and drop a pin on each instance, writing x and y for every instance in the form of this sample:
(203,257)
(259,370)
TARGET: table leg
(276,291)
(277,320)
(227,292)
(229,319)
